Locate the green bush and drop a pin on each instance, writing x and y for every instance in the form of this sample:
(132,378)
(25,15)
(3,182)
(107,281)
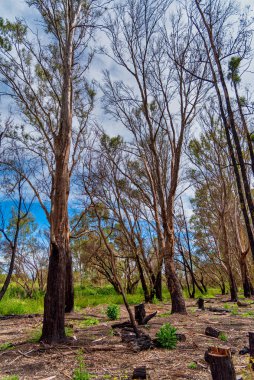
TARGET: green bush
(192,365)
(113,312)
(223,337)
(167,337)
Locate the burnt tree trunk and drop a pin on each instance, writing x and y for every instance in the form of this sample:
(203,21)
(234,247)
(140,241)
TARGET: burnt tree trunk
(247,286)
(158,286)
(220,363)
(174,287)
(57,292)
(140,313)
(69,290)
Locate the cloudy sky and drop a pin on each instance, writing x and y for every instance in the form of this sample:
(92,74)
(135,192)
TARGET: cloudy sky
(18,8)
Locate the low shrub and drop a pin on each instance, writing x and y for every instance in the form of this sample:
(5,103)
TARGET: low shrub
(167,337)
(113,312)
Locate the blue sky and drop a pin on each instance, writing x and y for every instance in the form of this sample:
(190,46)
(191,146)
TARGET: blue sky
(18,8)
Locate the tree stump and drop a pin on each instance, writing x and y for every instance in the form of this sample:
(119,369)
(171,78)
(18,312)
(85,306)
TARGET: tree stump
(140,313)
(139,373)
(251,343)
(220,363)
(211,331)
(201,304)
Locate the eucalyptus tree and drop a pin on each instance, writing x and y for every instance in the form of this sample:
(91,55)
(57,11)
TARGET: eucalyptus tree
(157,103)
(216,201)
(45,73)
(109,178)
(226,33)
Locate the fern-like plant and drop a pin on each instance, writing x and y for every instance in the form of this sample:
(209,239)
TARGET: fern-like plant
(167,337)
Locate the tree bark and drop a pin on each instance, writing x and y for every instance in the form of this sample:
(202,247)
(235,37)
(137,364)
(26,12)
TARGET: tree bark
(69,290)
(174,287)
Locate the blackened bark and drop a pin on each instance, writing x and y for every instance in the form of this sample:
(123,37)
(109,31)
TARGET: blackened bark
(54,303)
(233,288)
(8,277)
(174,287)
(158,286)
(69,290)
(147,294)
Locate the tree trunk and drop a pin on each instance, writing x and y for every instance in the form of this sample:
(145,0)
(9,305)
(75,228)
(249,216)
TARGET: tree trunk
(55,299)
(8,277)
(54,303)
(69,290)
(247,286)
(174,287)
(158,286)
(233,287)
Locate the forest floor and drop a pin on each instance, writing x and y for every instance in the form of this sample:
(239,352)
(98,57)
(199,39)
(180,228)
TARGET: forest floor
(106,357)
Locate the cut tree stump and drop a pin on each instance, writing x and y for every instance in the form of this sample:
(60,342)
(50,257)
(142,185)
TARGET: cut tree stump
(201,304)
(211,331)
(251,343)
(140,314)
(221,364)
(139,373)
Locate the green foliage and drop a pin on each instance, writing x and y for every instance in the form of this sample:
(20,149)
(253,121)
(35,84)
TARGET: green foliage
(111,143)
(234,311)
(81,373)
(10,32)
(11,377)
(167,337)
(223,337)
(6,346)
(113,312)
(233,69)
(89,322)
(192,365)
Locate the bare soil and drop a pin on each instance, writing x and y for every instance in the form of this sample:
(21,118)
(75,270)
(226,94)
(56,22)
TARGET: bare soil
(106,357)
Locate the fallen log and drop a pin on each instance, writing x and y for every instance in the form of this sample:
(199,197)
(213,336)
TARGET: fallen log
(211,331)
(221,364)
(218,310)
(18,316)
(121,325)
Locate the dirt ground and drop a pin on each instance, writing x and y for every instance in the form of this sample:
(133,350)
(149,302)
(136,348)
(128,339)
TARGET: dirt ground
(106,357)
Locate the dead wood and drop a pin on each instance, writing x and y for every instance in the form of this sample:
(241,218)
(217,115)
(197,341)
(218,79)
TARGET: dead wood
(139,373)
(221,364)
(211,331)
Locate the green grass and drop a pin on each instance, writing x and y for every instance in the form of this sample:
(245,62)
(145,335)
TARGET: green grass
(6,346)
(12,377)
(36,334)
(15,300)
(89,322)
(192,365)
(223,337)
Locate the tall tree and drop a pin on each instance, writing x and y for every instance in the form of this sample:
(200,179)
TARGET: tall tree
(224,44)
(45,73)
(157,104)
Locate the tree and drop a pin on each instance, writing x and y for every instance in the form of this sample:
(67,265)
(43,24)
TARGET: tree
(157,104)
(224,45)
(45,73)
(10,234)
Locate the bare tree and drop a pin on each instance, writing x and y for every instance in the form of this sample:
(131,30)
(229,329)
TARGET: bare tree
(45,73)
(9,234)
(157,104)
